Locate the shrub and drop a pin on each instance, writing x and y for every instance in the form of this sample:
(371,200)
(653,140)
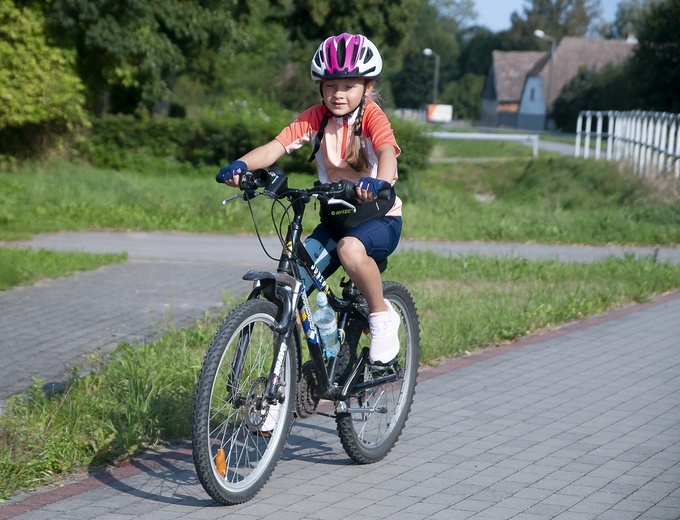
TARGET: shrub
(116,141)
(218,136)
(41,97)
(416,148)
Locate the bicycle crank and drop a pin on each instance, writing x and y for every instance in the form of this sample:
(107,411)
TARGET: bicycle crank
(347,409)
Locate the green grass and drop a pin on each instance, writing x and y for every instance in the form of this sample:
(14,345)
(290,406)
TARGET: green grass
(469,302)
(454,148)
(22,266)
(553,199)
(70,197)
(143,396)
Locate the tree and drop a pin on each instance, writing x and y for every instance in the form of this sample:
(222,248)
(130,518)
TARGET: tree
(408,85)
(477,44)
(626,20)
(39,90)
(413,85)
(136,44)
(261,63)
(610,88)
(385,22)
(465,95)
(462,11)
(656,61)
(558,18)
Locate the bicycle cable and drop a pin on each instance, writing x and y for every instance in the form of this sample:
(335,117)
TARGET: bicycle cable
(279,228)
(257,229)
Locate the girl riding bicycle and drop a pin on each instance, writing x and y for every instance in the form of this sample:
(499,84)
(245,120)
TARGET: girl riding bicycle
(352,139)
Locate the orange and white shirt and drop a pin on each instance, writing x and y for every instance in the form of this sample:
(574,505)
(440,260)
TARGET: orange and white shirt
(338,134)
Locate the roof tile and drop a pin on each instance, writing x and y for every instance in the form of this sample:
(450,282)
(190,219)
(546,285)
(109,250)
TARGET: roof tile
(510,71)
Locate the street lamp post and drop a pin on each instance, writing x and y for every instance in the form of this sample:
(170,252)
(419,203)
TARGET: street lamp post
(541,34)
(435,88)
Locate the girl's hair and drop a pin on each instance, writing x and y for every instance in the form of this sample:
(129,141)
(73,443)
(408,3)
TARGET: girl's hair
(356,155)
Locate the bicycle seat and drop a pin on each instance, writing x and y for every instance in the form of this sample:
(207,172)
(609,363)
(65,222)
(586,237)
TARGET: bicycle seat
(382,265)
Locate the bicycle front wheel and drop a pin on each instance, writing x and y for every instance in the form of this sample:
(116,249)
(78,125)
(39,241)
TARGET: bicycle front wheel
(238,436)
(377,415)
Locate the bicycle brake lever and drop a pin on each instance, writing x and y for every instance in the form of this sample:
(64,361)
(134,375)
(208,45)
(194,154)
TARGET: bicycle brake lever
(342,202)
(226,201)
(251,194)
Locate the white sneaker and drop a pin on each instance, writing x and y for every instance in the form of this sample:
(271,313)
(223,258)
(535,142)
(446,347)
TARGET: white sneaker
(272,419)
(384,336)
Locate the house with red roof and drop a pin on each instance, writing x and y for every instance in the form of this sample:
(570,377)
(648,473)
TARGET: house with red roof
(522,86)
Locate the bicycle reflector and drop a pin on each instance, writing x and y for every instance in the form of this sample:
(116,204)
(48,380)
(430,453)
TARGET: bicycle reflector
(221,462)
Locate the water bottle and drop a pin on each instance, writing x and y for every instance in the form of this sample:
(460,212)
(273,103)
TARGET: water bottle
(324,317)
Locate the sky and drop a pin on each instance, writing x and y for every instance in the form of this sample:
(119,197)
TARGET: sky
(495,14)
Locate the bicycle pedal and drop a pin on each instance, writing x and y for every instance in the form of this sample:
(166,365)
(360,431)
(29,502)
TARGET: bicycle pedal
(381,371)
(382,366)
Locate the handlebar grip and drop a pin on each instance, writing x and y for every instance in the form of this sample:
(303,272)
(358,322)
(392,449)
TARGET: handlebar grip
(348,191)
(385,192)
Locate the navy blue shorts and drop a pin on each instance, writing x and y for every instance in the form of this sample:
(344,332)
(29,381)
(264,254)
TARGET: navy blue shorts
(380,237)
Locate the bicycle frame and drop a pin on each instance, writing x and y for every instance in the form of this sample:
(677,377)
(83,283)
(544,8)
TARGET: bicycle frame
(286,290)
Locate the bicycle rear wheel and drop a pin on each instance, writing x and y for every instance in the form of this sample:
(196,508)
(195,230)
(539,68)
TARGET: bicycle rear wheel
(380,413)
(237,436)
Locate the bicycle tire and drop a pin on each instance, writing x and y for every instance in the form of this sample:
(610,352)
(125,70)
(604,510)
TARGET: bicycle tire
(228,411)
(369,437)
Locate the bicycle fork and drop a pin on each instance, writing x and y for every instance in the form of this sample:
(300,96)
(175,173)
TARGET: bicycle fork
(283,290)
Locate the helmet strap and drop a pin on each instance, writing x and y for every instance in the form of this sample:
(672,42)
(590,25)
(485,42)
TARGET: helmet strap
(359,110)
(319,136)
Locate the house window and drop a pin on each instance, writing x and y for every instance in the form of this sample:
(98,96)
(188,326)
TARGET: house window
(531,95)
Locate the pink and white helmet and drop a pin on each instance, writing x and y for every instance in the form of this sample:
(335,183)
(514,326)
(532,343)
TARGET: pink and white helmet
(346,56)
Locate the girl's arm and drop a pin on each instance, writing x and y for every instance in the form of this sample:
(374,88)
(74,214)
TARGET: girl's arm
(387,163)
(264,156)
(387,170)
(260,157)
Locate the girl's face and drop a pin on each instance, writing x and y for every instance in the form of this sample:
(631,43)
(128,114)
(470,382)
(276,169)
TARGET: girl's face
(342,96)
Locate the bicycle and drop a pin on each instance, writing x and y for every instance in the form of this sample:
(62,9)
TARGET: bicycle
(253,382)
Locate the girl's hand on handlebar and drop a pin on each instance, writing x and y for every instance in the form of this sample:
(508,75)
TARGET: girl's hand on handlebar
(367,188)
(231,173)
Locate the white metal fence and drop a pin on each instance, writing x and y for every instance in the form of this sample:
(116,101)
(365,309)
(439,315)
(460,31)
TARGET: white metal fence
(649,141)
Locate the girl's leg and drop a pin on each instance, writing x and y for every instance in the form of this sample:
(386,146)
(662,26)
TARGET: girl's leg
(363,271)
(358,252)
(361,248)
(322,247)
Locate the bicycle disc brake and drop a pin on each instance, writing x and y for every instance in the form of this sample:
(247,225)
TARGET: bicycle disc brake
(256,412)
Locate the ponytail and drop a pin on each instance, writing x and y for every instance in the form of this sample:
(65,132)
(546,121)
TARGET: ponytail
(356,155)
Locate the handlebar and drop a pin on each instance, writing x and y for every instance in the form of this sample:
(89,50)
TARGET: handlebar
(274,185)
